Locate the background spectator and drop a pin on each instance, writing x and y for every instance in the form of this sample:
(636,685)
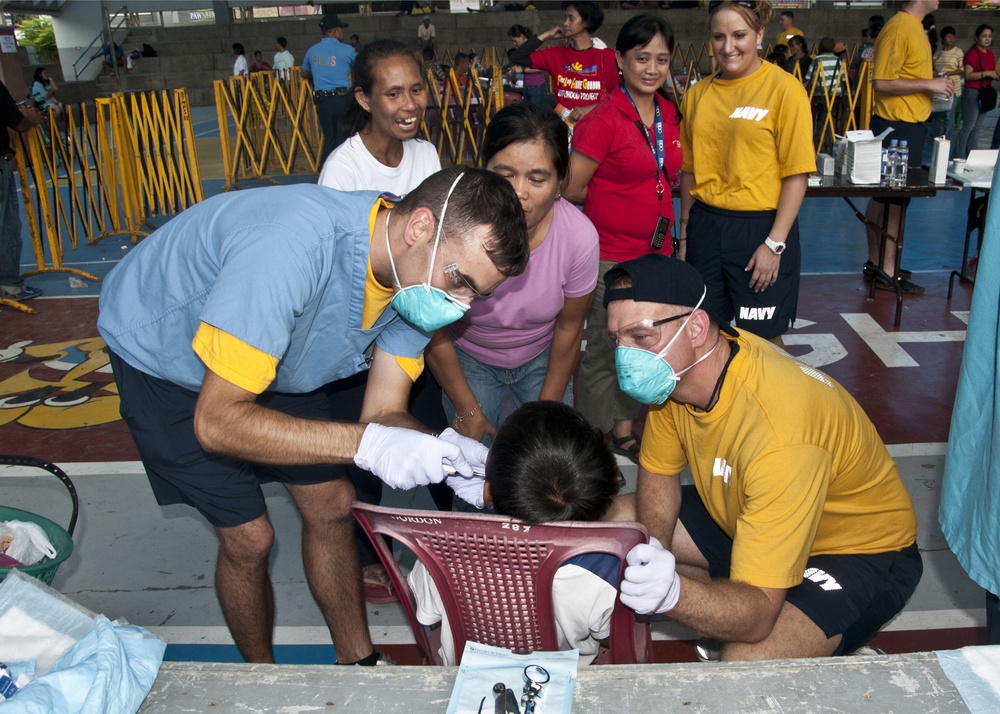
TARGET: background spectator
(427,38)
(798,55)
(43,92)
(948,62)
(535,90)
(240,68)
(12,286)
(259,64)
(979,66)
(786,28)
(106,53)
(931,32)
(825,69)
(327,65)
(283,59)
(574,64)
(903,80)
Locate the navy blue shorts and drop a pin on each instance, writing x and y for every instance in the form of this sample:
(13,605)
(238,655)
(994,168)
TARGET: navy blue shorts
(849,595)
(160,417)
(720,244)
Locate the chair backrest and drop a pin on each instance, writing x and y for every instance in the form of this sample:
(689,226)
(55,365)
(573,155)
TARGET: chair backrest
(495,575)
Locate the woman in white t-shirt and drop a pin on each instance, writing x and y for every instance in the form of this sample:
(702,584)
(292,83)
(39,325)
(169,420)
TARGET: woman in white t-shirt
(240,68)
(383,152)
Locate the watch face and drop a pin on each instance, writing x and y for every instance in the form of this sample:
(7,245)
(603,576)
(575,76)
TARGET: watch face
(779,248)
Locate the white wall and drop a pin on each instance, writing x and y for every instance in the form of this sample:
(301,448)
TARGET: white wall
(74,28)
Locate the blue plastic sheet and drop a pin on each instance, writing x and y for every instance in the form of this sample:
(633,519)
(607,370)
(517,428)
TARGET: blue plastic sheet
(110,668)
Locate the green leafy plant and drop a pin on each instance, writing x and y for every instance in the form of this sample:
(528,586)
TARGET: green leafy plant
(37,32)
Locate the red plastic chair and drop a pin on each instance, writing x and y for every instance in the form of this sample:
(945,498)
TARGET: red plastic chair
(495,576)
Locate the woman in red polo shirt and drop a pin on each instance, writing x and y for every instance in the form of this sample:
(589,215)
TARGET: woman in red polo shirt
(980,71)
(625,154)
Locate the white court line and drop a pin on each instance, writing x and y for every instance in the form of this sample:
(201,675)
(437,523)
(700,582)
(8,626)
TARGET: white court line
(918,621)
(82,468)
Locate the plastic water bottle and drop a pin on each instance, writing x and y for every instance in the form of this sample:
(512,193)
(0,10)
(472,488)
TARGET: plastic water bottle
(889,169)
(902,163)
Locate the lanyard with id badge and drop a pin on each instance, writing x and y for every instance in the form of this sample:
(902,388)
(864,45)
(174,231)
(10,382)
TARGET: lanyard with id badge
(663,222)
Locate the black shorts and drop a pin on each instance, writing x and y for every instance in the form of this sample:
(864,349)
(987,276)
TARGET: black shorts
(849,595)
(913,134)
(720,244)
(160,417)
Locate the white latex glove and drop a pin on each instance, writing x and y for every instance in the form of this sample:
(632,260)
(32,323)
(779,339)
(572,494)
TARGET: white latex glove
(651,584)
(405,458)
(469,490)
(473,451)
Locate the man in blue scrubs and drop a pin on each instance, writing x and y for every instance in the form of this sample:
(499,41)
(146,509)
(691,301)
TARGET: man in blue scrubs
(225,325)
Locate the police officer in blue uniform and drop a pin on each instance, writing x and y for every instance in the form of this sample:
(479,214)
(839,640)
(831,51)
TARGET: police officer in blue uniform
(328,64)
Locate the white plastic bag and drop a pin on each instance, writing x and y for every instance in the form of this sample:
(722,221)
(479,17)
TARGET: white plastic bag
(26,542)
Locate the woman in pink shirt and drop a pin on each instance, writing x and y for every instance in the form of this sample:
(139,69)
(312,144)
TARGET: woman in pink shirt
(523,343)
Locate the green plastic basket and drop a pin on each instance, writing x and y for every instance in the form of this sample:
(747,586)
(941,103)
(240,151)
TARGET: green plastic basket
(62,538)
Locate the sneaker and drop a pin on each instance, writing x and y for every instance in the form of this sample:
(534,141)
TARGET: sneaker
(870,269)
(707,649)
(25,293)
(867,650)
(884,282)
(381,658)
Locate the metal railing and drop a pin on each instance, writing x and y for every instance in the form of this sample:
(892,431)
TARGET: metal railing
(113,23)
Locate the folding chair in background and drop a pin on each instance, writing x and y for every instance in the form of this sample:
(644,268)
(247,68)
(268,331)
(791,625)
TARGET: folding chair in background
(495,576)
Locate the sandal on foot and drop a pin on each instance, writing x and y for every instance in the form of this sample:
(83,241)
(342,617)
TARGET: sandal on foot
(378,587)
(617,444)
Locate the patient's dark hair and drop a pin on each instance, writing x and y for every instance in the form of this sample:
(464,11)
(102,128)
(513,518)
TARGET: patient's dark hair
(548,463)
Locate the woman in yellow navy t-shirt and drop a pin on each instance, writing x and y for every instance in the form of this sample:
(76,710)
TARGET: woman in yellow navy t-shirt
(747,141)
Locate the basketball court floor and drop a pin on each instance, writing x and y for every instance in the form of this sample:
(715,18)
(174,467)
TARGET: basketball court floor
(153,566)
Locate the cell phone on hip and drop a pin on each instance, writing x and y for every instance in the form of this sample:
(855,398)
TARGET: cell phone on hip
(660,233)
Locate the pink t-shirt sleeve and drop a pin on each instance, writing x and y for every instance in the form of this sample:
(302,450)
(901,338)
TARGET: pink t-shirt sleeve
(583,268)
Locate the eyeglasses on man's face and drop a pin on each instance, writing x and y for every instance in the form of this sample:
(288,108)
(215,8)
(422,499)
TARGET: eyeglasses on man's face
(643,335)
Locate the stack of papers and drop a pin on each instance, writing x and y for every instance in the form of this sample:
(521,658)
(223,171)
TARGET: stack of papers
(978,168)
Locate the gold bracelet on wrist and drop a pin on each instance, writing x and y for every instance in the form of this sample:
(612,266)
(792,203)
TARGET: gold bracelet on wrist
(459,418)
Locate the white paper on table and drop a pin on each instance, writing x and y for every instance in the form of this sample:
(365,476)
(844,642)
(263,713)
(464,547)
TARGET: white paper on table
(483,666)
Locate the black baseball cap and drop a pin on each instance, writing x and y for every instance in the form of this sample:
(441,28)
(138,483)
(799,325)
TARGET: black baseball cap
(663,279)
(330,21)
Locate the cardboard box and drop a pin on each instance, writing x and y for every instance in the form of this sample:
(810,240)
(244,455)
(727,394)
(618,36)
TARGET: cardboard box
(824,164)
(863,156)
